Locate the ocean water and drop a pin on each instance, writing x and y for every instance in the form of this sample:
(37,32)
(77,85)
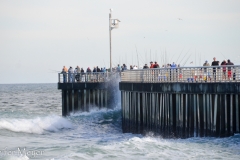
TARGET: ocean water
(31,127)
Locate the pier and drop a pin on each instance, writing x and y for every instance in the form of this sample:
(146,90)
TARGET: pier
(171,102)
(86,91)
(181,102)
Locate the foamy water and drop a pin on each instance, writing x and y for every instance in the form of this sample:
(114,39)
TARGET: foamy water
(31,127)
(37,125)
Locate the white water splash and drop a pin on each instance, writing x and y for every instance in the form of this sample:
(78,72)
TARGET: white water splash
(37,125)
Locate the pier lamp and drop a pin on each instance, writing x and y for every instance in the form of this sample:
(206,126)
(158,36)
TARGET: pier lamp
(113,24)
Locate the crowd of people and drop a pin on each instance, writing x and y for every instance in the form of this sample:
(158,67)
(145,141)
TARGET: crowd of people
(74,74)
(152,65)
(77,71)
(227,71)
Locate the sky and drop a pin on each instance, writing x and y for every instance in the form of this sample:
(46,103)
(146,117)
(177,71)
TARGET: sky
(39,37)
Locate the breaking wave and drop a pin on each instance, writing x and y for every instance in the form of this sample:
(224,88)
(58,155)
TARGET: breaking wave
(37,125)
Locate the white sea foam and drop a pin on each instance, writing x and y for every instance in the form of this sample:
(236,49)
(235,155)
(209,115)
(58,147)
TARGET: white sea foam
(93,110)
(37,125)
(24,157)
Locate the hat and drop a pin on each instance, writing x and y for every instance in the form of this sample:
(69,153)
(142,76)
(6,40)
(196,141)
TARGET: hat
(206,61)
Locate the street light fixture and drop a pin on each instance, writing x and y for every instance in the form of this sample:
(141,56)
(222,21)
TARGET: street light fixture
(113,24)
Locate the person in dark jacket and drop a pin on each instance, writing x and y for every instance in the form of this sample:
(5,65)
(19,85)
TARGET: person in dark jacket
(145,66)
(156,65)
(98,69)
(215,63)
(82,71)
(223,64)
(94,69)
(70,74)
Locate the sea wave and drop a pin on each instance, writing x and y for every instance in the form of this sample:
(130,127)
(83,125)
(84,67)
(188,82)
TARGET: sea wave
(94,110)
(37,125)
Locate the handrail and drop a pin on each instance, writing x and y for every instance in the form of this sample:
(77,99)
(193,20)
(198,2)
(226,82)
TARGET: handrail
(227,73)
(83,77)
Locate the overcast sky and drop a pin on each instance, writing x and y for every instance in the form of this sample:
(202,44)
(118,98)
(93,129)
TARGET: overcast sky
(39,37)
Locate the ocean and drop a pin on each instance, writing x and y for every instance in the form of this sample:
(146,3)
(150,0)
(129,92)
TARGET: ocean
(31,127)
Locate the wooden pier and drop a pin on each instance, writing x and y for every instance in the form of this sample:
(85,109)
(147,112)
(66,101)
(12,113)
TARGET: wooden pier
(180,103)
(92,90)
(171,102)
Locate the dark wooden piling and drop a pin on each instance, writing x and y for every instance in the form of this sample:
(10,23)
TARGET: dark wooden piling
(181,109)
(83,96)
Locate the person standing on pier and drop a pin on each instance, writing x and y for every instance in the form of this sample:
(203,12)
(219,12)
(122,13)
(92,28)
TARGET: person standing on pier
(70,74)
(118,68)
(98,69)
(77,72)
(156,65)
(88,74)
(223,64)
(215,63)
(145,66)
(206,73)
(151,65)
(173,72)
(156,74)
(82,77)
(135,67)
(64,72)
(124,67)
(152,72)
(230,71)
(82,71)
(94,69)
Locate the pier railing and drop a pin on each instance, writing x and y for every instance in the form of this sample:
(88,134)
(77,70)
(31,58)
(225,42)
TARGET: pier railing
(183,74)
(83,77)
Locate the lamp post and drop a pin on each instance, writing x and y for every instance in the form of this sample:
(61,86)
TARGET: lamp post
(113,23)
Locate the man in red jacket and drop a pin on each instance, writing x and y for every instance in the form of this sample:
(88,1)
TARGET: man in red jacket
(151,65)
(229,69)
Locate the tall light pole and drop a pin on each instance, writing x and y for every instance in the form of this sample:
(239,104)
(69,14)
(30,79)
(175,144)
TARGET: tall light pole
(113,23)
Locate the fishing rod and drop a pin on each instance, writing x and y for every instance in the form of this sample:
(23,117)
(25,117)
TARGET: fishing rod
(186,60)
(150,55)
(145,56)
(184,56)
(223,56)
(172,58)
(156,56)
(137,55)
(195,57)
(141,58)
(200,59)
(179,55)
(119,61)
(54,71)
(163,58)
(132,59)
